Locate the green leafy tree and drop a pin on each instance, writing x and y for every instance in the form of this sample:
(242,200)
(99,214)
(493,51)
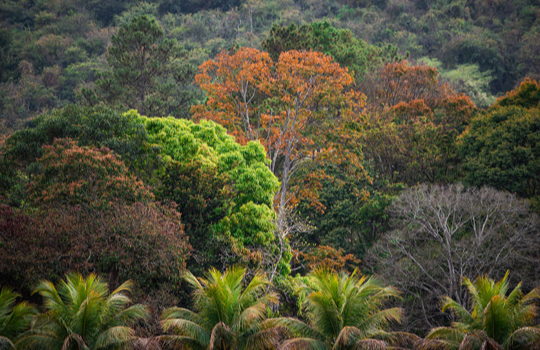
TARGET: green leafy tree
(247,216)
(500,149)
(344,312)
(14,318)
(82,314)
(493,320)
(227,316)
(340,44)
(201,194)
(354,215)
(148,72)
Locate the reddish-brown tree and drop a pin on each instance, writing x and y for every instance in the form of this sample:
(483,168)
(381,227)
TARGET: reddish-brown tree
(73,175)
(413,122)
(84,204)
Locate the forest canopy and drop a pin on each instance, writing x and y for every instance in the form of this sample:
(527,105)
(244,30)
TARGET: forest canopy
(281,174)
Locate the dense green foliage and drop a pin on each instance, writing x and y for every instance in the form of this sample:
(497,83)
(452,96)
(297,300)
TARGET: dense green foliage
(50,51)
(148,72)
(340,44)
(500,149)
(248,212)
(317,137)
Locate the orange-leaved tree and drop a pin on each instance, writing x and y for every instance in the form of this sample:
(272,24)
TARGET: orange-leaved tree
(300,108)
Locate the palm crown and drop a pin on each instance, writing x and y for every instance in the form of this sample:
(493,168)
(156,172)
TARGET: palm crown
(343,311)
(81,314)
(14,318)
(227,315)
(495,320)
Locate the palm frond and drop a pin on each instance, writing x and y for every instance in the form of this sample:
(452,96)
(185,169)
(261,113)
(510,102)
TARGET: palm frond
(297,328)
(177,312)
(6,344)
(370,344)
(152,343)
(398,339)
(524,338)
(115,336)
(14,318)
(187,328)
(479,340)
(74,338)
(181,342)
(458,309)
(347,337)
(304,344)
(81,311)
(221,334)
(264,339)
(380,320)
(436,344)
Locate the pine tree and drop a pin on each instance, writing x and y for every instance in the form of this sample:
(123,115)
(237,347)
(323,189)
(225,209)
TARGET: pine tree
(147,71)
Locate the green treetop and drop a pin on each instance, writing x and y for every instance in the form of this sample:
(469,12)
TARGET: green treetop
(250,211)
(148,72)
(340,44)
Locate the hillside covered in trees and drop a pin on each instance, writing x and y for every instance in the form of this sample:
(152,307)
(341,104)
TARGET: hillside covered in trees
(281,174)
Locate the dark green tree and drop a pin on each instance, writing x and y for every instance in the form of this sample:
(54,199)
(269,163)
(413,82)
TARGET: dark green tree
(8,58)
(340,44)
(500,149)
(147,72)
(201,194)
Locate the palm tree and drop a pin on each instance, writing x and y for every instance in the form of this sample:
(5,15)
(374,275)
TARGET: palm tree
(227,315)
(14,318)
(345,312)
(496,321)
(81,314)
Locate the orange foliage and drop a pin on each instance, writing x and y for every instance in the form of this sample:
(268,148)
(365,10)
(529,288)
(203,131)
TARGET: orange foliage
(399,82)
(327,257)
(414,108)
(413,121)
(233,83)
(527,95)
(297,107)
(74,175)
